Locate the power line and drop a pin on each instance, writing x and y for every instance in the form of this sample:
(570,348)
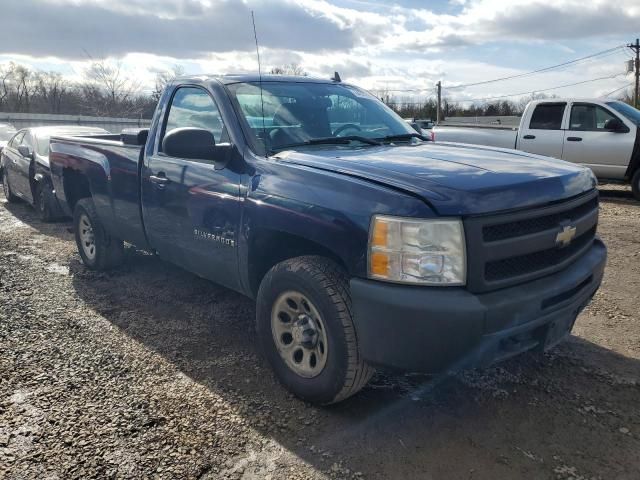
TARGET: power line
(541,70)
(608,52)
(618,89)
(539,90)
(404,89)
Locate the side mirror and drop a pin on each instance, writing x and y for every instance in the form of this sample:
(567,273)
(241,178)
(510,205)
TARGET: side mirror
(615,125)
(196,144)
(134,136)
(25,151)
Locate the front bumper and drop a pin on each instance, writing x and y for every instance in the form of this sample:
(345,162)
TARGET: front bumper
(436,329)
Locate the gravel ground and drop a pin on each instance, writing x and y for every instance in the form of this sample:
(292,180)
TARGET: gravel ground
(149,371)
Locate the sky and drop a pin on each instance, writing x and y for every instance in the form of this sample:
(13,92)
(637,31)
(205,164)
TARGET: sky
(402,46)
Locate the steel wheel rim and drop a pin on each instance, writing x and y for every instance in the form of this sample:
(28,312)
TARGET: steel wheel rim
(87,238)
(299,334)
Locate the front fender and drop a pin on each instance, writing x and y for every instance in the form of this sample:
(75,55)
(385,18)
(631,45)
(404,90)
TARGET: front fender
(331,210)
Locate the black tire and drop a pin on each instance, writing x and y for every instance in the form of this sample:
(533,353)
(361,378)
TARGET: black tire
(8,194)
(44,202)
(326,285)
(108,252)
(635,184)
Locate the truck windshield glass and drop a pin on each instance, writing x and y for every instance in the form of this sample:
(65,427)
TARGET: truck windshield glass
(297,113)
(628,111)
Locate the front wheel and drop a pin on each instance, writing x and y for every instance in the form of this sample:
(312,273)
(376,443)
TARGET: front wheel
(8,194)
(306,330)
(98,249)
(635,184)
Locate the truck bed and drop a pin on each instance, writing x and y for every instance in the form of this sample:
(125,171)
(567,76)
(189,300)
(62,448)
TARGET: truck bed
(112,168)
(490,135)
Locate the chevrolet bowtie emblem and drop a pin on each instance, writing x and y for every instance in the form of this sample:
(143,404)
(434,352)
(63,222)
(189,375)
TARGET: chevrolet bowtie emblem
(565,236)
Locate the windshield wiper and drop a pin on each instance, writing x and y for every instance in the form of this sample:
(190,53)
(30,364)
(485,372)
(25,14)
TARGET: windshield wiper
(329,141)
(402,136)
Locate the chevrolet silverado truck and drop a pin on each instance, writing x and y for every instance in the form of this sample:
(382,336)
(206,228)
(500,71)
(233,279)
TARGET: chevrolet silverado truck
(363,244)
(600,134)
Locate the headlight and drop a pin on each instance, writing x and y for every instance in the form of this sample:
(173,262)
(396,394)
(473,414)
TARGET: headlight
(427,252)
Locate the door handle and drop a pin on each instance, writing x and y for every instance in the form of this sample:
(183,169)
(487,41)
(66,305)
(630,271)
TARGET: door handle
(574,139)
(529,137)
(160,180)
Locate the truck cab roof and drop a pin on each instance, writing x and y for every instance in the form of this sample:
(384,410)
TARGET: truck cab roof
(573,99)
(231,78)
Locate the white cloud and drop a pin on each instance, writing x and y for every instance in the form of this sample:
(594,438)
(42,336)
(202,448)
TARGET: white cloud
(374,45)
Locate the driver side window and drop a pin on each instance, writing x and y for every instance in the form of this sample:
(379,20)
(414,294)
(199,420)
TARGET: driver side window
(194,107)
(27,140)
(15,141)
(588,117)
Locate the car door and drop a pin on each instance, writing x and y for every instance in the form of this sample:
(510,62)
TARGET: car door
(542,132)
(191,209)
(588,143)
(22,167)
(10,160)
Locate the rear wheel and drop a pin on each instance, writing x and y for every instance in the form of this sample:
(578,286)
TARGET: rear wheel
(98,249)
(305,327)
(44,202)
(8,194)
(635,184)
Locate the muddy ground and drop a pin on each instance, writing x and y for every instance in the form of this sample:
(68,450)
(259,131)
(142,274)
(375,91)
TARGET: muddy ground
(150,371)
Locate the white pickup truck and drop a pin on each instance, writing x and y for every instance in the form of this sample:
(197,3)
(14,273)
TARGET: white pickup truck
(600,134)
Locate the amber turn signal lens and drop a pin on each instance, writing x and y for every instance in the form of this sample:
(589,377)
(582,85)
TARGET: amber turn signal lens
(379,264)
(380,232)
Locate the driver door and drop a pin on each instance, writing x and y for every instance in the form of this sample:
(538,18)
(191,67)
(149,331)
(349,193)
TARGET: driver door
(192,210)
(588,143)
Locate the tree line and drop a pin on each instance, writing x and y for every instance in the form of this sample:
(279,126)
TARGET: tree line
(107,90)
(104,90)
(427,109)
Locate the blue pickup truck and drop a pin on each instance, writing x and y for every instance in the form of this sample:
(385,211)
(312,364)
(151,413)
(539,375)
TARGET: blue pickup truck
(364,244)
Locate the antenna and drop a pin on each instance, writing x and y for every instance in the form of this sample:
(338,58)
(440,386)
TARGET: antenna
(336,77)
(264,129)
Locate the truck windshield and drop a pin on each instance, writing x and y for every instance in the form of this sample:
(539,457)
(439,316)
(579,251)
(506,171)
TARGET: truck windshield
(306,114)
(627,110)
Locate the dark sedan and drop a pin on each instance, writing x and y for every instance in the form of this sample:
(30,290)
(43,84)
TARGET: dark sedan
(24,165)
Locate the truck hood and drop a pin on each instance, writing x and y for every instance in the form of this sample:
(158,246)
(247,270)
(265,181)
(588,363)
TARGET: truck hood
(455,179)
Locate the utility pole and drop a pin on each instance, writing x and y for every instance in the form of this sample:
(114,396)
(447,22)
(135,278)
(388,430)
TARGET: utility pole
(636,48)
(439,109)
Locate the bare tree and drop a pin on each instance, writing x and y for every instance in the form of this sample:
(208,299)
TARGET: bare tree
(6,76)
(52,88)
(163,78)
(289,69)
(25,85)
(109,90)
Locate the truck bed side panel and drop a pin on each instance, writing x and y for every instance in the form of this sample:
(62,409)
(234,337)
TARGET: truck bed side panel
(490,136)
(110,170)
